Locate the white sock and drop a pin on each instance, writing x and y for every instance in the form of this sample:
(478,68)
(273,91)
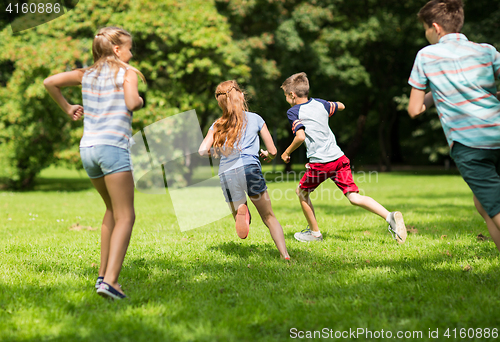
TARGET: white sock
(316,234)
(388,218)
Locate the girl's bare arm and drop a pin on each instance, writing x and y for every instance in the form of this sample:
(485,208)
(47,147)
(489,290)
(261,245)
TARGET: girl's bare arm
(269,143)
(131,91)
(54,83)
(205,146)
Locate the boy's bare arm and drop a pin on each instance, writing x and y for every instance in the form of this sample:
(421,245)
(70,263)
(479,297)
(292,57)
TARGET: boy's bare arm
(300,136)
(340,105)
(428,100)
(419,102)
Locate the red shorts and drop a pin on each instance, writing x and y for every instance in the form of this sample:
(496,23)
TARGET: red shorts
(338,171)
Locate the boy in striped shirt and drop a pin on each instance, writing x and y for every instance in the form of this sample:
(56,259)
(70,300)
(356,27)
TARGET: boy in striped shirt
(461,76)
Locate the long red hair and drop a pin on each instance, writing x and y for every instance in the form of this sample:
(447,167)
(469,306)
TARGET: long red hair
(229,128)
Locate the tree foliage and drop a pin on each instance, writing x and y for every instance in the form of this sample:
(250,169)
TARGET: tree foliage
(184,48)
(358,52)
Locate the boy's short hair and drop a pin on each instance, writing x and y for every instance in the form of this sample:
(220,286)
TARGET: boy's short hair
(449,14)
(297,83)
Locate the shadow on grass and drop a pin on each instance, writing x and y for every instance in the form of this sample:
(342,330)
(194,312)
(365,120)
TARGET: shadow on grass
(247,251)
(358,222)
(341,210)
(62,184)
(258,299)
(442,172)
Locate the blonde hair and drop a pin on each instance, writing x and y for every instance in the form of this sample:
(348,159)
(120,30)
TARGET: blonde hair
(297,83)
(102,50)
(228,129)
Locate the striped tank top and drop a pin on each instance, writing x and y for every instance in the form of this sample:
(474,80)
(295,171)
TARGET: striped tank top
(107,121)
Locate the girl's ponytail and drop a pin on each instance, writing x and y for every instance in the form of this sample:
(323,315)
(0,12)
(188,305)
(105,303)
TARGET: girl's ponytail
(229,128)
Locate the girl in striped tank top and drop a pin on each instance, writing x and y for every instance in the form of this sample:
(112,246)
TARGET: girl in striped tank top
(110,95)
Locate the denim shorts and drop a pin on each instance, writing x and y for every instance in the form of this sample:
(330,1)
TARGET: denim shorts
(480,169)
(244,179)
(102,160)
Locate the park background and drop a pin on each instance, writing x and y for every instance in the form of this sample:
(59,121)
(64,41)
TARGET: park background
(357,52)
(205,285)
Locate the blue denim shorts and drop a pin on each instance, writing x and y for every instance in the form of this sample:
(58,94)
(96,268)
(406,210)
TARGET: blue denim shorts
(244,179)
(102,160)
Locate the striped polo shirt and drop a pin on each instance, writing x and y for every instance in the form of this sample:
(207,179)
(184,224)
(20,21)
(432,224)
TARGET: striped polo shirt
(107,121)
(461,75)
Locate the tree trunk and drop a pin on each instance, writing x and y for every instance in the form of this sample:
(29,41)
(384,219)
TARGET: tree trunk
(384,161)
(396,154)
(353,148)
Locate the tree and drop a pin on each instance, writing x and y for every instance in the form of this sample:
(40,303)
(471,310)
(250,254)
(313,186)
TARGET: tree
(352,51)
(184,48)
(359,52)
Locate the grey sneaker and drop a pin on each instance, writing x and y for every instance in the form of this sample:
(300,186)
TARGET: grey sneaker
(306,236)
(397,227)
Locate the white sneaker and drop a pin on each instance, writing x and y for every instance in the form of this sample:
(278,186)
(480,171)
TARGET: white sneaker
(397,227)
(306,236)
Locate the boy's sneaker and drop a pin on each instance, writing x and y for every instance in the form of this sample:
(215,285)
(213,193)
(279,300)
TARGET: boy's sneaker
(98,282)
(107,291)
(306,236)
(242,222)
(397,226)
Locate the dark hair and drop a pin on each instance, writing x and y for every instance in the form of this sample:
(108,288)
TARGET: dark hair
(449,14)
(297,83)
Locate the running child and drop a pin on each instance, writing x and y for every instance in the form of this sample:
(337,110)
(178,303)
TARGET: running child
(309,121)
(110,94)
(235,139)
(461,76)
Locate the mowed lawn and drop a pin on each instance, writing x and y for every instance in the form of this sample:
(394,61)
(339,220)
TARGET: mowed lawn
(208,285)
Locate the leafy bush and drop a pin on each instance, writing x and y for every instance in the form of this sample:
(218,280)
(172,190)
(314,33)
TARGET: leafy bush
(183,48)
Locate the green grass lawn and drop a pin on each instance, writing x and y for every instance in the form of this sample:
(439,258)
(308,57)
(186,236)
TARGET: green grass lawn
(207,285)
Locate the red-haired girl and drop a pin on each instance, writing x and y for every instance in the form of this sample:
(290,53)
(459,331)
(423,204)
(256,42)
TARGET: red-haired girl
(235,138)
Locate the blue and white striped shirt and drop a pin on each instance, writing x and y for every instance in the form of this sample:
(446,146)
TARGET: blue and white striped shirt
(107,121)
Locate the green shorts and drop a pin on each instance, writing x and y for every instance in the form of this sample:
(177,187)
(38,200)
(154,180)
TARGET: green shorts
(480,169)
